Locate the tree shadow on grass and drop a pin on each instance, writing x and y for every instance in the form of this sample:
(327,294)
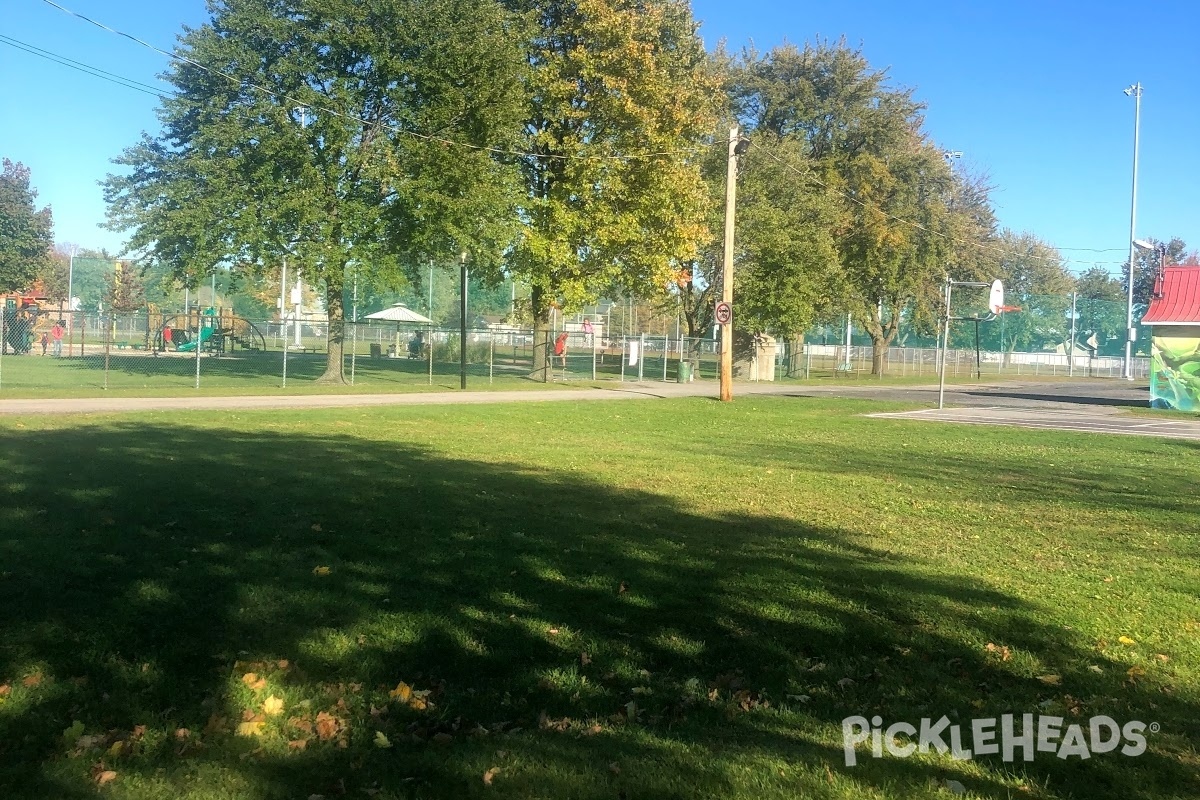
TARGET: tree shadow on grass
(147,569)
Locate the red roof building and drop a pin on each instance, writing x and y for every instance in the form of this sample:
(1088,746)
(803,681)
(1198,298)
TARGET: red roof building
(1176,298)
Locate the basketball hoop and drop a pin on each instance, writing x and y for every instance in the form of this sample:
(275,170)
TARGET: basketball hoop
(996,297)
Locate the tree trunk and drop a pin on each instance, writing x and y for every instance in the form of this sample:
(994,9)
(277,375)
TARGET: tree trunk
(336,335)
(541,335)
(879,346)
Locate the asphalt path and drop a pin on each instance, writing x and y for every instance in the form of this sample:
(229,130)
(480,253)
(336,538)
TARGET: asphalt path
(1086,405)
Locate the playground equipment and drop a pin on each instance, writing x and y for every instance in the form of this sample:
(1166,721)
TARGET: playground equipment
(21,315)
(218,334)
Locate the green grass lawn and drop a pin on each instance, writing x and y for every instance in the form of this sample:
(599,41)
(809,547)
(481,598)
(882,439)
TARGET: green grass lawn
(666,599)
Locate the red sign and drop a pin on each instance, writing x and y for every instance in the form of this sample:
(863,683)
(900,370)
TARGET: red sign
(724,313)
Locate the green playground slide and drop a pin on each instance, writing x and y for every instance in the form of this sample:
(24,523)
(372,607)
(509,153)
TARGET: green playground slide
(205,335)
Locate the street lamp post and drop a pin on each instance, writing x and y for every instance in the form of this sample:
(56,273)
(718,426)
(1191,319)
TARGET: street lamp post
(1134,91)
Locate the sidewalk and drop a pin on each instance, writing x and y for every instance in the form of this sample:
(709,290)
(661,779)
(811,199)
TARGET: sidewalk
(623,391)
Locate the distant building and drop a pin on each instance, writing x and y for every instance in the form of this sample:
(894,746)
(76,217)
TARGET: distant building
(1174,318)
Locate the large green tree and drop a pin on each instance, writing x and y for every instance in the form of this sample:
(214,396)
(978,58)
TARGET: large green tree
(861,140)
(330,132)
(26,232)
(1036,281)
(1101,309)
(620,90)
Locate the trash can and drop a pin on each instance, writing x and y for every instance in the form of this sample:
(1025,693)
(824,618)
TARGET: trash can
(685,372)
(376,350)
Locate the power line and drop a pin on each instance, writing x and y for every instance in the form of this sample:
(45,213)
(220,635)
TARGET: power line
(96,72)
(290,100)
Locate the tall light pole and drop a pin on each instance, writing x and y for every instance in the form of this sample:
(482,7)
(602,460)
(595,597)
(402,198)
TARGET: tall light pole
(737,146)
(1135,92)
(951,156)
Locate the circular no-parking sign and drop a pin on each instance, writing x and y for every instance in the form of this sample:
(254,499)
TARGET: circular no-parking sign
(724,313)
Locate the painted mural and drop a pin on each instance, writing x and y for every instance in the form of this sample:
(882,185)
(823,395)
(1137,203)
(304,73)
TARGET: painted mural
(1175,372)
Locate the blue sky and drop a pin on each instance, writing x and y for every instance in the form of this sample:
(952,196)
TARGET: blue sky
(1030,92)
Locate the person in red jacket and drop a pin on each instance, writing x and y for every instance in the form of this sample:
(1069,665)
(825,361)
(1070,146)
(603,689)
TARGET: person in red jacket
(560,348)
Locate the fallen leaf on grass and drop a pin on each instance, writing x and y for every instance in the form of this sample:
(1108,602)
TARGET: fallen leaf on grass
(297,744)
(1125,640)
(1135,672)
(1095,669)
(32,680)
(489,775)
(381,740)
(251,728)
(327,726)
(106,776)
(1001,650)
(956,787)
(1050,680)
(252,680)
(402,692)
(316,526)
(5,690)
(1162,658)
(443,738)
(321,571)
(845,682)
(614,768)
(585,659)
(182,734)
(273,706)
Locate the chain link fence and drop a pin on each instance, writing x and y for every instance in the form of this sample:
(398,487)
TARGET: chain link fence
(71,353)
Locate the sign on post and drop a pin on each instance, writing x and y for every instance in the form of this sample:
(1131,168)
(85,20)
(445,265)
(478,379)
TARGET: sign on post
(724,313)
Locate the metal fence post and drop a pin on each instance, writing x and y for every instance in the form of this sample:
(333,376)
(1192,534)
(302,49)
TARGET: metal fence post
(666,351)
(429,344)
(641,357)
(198,343)
(491,355)
(592,336)
(353,347)
(623,342)
(108,326)
(3,343)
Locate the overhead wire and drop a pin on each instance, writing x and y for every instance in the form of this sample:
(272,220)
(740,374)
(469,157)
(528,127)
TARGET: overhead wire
(289,99)
(96,72)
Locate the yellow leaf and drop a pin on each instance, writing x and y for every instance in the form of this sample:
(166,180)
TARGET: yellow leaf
(402,692)
(1125,640)
(273,706)
(107,776)
(116,749)
(1135,672)
(1050,680)
(321,571)
(489,775)
(381,739)
(254,728)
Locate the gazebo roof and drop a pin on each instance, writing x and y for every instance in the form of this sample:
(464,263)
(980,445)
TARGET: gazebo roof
(1178,300)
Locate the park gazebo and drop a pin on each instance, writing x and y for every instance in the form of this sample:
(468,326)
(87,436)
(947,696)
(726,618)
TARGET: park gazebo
(401,315)
(1174,318)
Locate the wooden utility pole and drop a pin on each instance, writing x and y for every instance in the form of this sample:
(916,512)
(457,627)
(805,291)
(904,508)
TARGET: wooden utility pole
(727,265)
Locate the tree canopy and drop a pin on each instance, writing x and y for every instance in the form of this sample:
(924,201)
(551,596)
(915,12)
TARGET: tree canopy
(26,232)
(620,98)
(330,132)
